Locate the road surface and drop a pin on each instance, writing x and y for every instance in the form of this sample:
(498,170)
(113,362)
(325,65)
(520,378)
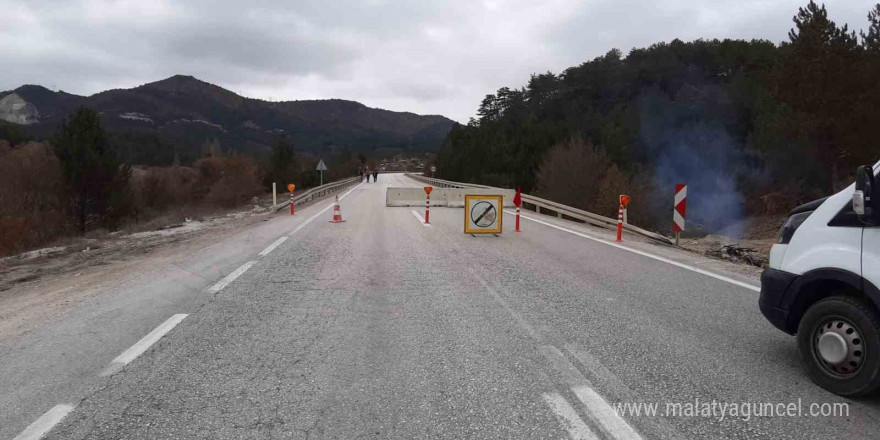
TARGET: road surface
(382,327)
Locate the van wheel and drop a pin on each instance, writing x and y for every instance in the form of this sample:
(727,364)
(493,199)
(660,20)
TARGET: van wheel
(839,344)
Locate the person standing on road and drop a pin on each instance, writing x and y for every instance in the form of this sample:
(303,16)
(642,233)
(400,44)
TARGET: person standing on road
(375,176)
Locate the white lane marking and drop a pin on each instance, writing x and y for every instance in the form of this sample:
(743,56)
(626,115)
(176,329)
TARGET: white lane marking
(145,343)
(597,408)
(272,246)
(645,254)
(313,217)
(231,277)
(421,219)
(45,423)
(567,416)
(608,419)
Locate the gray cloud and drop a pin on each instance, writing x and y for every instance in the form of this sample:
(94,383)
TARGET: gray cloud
(426,56)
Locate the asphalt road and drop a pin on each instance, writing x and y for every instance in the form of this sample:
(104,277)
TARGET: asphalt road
(381,327)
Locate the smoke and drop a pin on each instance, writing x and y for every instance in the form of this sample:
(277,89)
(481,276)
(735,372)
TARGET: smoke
(687,140)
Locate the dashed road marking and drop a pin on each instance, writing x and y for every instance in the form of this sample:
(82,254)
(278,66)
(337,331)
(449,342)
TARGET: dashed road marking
(568,417)
(597,408)
(231,277)
(145,343)
(646,254)
(272,246)
(421,219)
(608,419)
(327,208)
(45,423)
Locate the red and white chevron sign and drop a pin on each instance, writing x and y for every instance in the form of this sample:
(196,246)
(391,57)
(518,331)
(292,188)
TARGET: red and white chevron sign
(679,207)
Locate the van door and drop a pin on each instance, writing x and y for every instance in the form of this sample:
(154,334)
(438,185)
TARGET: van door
(871,255)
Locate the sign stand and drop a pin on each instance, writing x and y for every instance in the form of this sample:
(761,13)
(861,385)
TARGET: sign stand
(291,187)
(517,201)
(483,214)
(321,167)
(679,208)
(428,190)
(621,215)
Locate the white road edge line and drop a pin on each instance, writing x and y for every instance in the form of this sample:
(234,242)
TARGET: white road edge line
(567,416)
(145,343)
(231,277)
(313,217)
(45,423)
(421,219)
(611,422)
(272,246)
(645,254)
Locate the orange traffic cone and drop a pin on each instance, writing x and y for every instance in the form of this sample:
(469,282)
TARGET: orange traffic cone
(337,214)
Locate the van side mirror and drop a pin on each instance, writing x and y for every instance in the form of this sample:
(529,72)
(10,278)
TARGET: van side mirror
(863,197)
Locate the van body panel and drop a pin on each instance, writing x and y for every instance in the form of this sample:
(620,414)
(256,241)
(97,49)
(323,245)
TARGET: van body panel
(777,253)
(815,245)
(871,255)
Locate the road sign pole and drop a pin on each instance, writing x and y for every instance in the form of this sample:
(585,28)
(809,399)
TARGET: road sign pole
(321,168)
(428,190)
(679,208)
(428,209)
(621,215)
(620,224)
(517,219)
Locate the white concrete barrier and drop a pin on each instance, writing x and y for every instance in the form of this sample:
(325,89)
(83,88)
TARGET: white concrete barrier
(449,197)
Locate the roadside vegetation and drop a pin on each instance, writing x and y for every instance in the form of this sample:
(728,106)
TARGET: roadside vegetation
(752,127)
(77,184)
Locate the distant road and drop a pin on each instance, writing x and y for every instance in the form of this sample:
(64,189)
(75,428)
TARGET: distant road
(380,327)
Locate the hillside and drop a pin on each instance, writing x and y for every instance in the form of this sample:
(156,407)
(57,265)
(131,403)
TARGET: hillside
(154,121)
(752,127)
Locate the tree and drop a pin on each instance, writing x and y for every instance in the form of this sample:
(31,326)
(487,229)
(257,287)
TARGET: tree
(816,78)
(282,163)
(211,148)
(96,179)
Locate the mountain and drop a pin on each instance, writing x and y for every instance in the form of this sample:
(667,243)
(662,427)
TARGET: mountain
(155,121)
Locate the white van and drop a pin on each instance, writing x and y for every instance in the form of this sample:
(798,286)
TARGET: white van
(822,284)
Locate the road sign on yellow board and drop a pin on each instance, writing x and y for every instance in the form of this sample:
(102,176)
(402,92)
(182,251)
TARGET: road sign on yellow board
(290,187)
(482,214)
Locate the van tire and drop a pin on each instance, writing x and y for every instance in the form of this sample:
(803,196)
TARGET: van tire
(865,321)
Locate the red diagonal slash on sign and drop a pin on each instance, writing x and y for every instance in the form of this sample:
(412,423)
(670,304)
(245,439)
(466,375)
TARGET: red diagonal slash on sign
(680,206)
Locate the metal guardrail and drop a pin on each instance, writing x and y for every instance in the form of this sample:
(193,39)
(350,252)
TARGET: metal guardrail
(319,191)
(559,209)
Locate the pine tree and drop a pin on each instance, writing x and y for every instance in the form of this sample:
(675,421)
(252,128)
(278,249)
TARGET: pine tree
(282,162)
(97,180)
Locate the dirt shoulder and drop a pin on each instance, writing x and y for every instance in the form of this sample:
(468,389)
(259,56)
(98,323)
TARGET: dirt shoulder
(40,284)
(746,242)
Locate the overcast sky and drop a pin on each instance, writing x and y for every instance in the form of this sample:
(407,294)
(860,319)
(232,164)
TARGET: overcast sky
(424,56)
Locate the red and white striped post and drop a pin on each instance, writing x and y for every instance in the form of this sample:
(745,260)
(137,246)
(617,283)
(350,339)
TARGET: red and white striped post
(620,223)
(678,211)
(517,201)
(621,213)
(428,190)
(291,187)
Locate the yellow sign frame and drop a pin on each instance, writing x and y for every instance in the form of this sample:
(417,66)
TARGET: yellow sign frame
(478,197)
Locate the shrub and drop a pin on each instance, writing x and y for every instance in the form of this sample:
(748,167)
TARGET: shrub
(32,212)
